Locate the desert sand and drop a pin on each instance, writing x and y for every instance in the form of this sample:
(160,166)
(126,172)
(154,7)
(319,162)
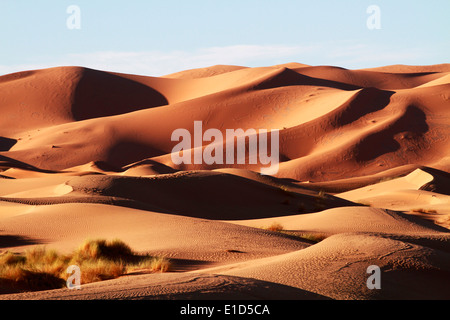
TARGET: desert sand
(364,166)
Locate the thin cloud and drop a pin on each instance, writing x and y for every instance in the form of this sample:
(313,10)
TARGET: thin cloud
(158,63)
(367,55)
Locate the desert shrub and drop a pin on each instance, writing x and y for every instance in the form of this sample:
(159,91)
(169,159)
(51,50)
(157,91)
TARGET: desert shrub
(22,278)
(314,237)
(115,250)
(154,264)
(310,236)
(9,258)
(39,268)
(99,270)
(275,226)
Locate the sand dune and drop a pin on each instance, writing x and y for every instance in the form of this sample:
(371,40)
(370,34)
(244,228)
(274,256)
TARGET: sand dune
(172,286)
(343,260)
(182,193)
(203,72)
(364,165)
(400,68)
(364,220)
(319,118)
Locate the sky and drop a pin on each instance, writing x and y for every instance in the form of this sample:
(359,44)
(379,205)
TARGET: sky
(155,38)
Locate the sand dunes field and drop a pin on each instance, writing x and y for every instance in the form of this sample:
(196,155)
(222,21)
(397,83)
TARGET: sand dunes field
(363,179)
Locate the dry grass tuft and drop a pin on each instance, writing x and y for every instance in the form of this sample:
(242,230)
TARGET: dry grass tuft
(99,270)
(310,236)
(115,250)
(314,237)
(9,258)
(275,226)
(154,264)
(40,269)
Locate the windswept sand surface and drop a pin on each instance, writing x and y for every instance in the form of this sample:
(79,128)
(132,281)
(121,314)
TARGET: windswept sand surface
(364,165)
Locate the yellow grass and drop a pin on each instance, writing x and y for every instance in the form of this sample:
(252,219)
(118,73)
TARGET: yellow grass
(39,268)
(314,237)
(275,226)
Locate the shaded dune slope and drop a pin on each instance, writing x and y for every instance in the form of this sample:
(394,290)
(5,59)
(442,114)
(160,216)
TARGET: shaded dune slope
(184,193)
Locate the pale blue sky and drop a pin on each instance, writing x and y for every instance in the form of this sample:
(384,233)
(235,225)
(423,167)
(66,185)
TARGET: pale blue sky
(160,37)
